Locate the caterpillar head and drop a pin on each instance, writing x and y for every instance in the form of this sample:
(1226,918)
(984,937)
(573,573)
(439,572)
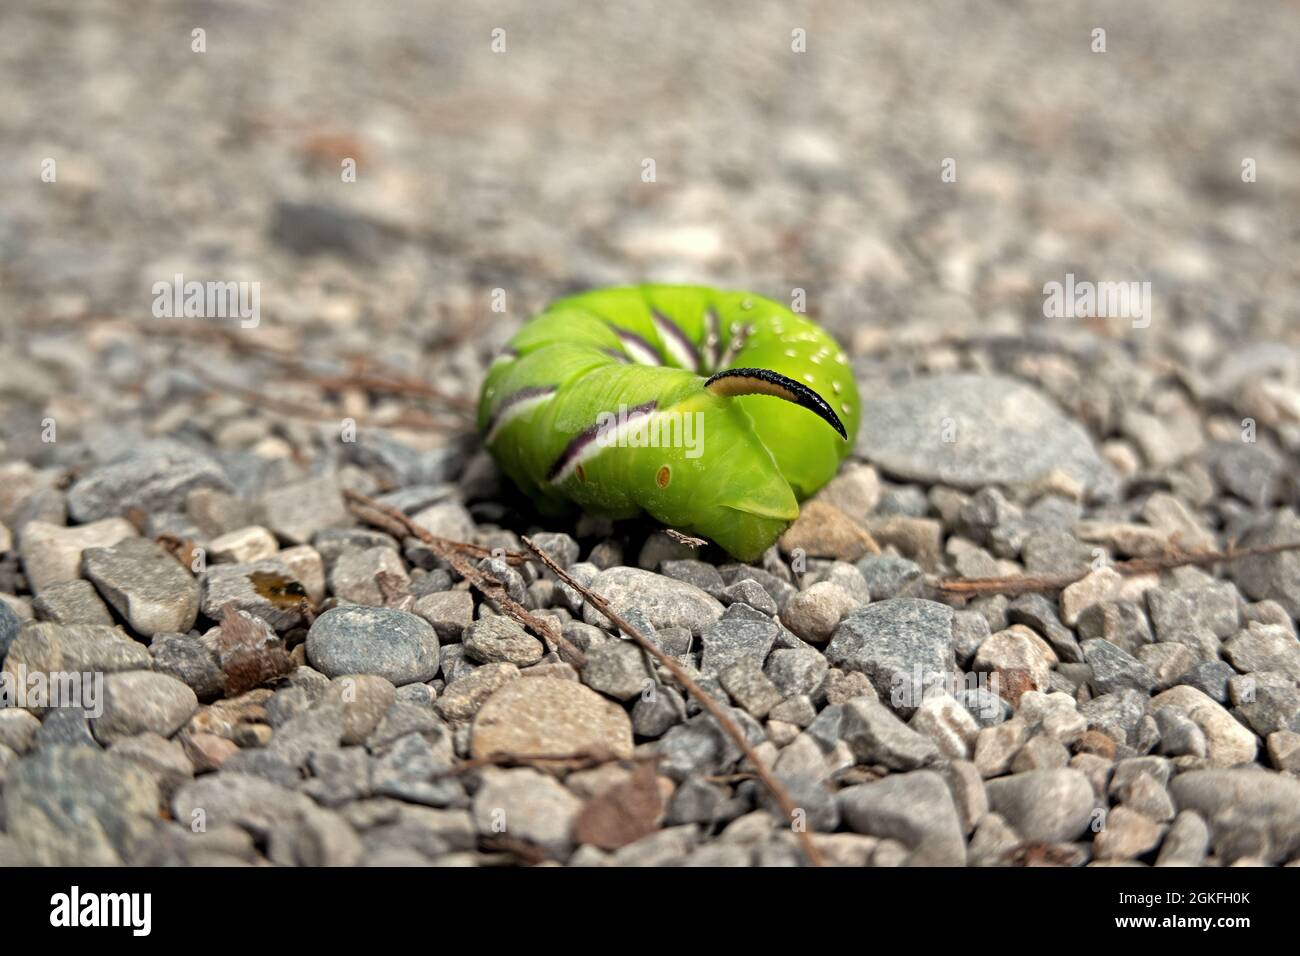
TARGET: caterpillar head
(739,499)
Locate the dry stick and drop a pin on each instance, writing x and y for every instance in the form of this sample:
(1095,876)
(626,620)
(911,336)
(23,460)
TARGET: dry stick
(369,377)
(454,553)
(295,409)
(391,385)
(708,703)
(1025,583)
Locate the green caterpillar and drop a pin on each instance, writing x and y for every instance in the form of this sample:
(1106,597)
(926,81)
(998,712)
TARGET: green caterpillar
(659,399)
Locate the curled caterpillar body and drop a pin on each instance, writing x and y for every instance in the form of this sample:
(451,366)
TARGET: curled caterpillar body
(696,406)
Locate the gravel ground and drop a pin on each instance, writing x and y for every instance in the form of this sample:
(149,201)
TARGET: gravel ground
(278,682)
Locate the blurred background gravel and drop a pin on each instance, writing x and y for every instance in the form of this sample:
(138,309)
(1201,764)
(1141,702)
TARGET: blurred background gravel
(522,170)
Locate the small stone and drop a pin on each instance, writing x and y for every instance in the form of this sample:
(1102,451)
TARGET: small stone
(52,554)
(992,842)
(558,546)
(988,708)
(529,806)
(1210,607)
(997,746)
(824,531)
(65,727)
(70,602)
(1186,842)
(844,686)
(1056,715)
(876,736)
(251,543)
(239,799)
(815,613)
(699,746)
(305,566)
(450,613)
(889,576)
(1273,577)
(1041,752)
(1114,669)
(1116,715)
(1227,742)
(10,623)
(1122,623)
(1179,734)
(354,576)
(463,696)
(1147,795)
(145,584)
(1210,678)
(797,710)
(970,629)
(364,699)
(948,724)
(1047,806)
(1167,662)
(369,640)
(54,649)
(1264,647)
(339,777)
(1126,835)
(1095,742)
(699,573)
(750,688)
(447,519)
(1102,584)
(915,809)
(155,477)
(854,491)
(547,715)
(741,634)
(796,670)
(749,591)
(162,759)
(969,796)
(1017,649)
(665,602)
(1251,811)
(1039,613)
(1284,750)
(264,589)
(917,538)
(902,645)
(405,719)
(75,806)
(136,702)
(501,640)
(656,712)
(296,512)
(17,729)
(1268,702)
(617,669)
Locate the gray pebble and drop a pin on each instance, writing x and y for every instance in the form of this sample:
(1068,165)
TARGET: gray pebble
(366,640)
(1048,806)
(494,640)
(70,602)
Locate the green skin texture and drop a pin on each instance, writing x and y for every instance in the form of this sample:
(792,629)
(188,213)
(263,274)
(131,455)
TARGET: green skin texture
(761,454)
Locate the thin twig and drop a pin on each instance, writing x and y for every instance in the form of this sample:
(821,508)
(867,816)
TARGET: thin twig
(319,413)
(708,703)
(455,553)
(1026,583)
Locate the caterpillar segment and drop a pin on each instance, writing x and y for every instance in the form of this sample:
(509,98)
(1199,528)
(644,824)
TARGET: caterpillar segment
(713,412)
